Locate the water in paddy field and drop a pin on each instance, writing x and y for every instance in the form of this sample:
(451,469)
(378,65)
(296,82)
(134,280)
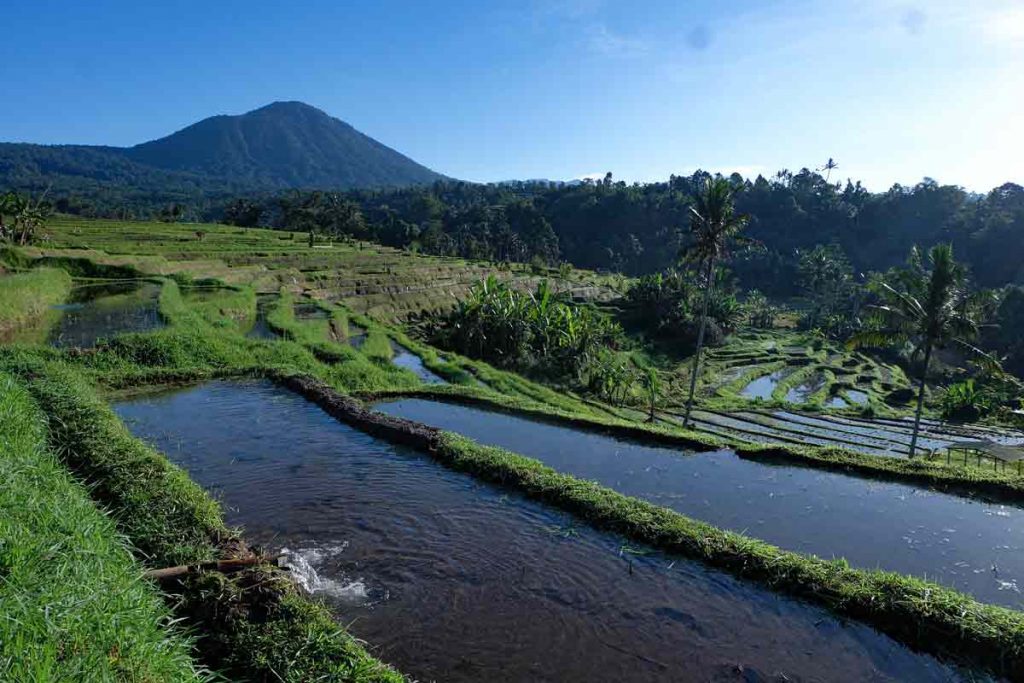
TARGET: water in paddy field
(310,311)
(102,310)
(260,329)
(803,392)
(836,402)
(857,397)
(450,579)
(762,387)
(404,358)
(973,546)
(356,335)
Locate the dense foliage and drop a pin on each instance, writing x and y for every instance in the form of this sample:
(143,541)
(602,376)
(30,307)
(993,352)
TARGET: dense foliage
(634,229)
(638,229)
(21,218)
(525,330)
(833,296)
(667,306)
(927,306)
(1006,335)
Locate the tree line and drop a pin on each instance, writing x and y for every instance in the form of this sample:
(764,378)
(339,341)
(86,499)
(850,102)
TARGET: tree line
(637,229)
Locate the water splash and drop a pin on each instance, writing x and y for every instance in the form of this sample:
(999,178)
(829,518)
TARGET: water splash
(302,564)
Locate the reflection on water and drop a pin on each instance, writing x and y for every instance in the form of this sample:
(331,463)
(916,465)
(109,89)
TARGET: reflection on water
(858,397)
(451,579)
(974,546)
(404,358)
(803,392)
(762,387)
(95,311)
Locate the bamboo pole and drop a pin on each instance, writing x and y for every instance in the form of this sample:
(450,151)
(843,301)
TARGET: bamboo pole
(217,565)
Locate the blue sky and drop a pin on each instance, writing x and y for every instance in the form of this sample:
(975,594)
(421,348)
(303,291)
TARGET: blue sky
(496,90)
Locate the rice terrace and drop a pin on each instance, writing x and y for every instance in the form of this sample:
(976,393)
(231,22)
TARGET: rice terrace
(281,403)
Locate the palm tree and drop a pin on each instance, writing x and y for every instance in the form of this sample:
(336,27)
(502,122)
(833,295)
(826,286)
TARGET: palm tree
(652,386)
(930,309)
(714,224)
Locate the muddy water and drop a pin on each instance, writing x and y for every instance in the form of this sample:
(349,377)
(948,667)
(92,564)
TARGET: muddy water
(974,546)
(453,580)
(95,311)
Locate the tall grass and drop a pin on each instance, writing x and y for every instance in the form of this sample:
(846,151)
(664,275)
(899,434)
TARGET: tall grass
(25,296)
(74,604)
(250,626)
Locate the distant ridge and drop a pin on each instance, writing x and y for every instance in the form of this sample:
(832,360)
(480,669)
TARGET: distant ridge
(280,146)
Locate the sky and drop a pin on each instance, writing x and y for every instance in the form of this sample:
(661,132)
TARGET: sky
(556,89)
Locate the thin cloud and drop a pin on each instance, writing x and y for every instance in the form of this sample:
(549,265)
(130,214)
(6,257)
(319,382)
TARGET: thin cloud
(604,41)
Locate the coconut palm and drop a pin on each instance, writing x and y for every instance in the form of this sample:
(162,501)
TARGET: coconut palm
(928,308)
(714,225)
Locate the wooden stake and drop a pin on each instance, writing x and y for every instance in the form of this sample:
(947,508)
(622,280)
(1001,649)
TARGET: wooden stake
(218,565)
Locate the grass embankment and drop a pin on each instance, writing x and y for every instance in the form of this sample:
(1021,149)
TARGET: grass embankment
(193,348)
(74,603)
(25,297)
(924,615)
(363,370)
(252,624)
(953,478)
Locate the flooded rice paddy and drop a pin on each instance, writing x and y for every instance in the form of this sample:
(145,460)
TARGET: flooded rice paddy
(974,546)
(404,358)
(762,387)
(310,310)
(260,328)
(450,579)
(99,310)
(802,393)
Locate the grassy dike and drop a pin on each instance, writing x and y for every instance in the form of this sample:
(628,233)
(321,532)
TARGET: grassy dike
(26,296)
(924,615)
(952,478)
(252,624)
(73,600)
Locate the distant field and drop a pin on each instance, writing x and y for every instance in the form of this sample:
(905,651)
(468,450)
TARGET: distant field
(386,283)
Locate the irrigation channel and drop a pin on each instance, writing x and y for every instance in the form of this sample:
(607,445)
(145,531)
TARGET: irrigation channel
(260,328)
(451,579)
(95,310)
(404,358)
(971,545)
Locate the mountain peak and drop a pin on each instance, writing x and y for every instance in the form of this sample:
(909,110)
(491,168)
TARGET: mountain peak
(282,144)
(288,107)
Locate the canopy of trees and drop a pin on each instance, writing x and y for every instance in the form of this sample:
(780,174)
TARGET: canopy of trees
(638,229)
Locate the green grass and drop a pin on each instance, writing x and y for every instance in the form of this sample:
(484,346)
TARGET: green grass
(167,516)
(25,297)
(338,363)
(253,625)
(377,346)
(73,602)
